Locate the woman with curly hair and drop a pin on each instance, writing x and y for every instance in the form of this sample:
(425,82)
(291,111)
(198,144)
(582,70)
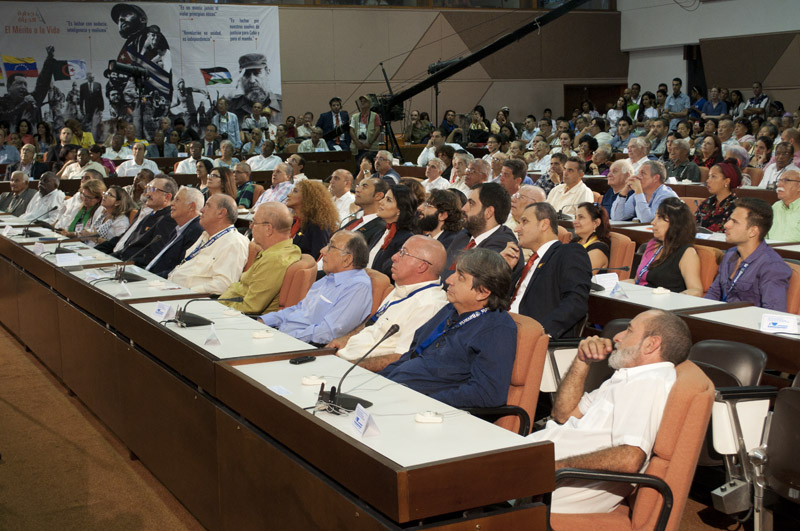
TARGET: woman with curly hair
(315,216)
(221,181)
(398,209)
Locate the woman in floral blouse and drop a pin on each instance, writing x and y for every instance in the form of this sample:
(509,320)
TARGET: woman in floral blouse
(717,208)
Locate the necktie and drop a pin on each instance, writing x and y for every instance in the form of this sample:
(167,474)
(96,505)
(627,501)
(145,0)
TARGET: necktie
(209,150)
(525,270)
(336,116)
(353,224)
(469,246)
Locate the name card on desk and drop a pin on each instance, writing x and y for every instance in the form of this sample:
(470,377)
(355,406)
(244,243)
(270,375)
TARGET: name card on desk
(10,231)
(68,259)
(608,280)
(163,312)
(123,290)
(213,338)
(38,248)
(778,323)
(618,293)
(363,423)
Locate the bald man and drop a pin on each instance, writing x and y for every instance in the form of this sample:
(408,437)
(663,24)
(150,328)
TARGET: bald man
(416,298)
(339,187)
(527,194)
(261,284)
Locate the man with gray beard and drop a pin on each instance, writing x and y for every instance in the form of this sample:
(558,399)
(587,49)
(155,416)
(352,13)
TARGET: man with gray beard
(614,427)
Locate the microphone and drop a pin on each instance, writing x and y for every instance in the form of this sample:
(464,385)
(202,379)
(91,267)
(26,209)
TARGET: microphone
(349,402)
(26,232)
(130,277)
(60,250)
(597,287)
(187,320)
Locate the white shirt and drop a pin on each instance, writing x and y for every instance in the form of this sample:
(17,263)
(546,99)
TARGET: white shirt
(307,146)
(343,203)
(529,275)
(625,410)
(410,314)
(189,166)
(459,183)
(129,168)
(75,171)
(638,165)
(68,210)
(603,138)
(772,174)
(178,230)
(40,204)
(215,267)
(123,240)
(260,163)
(430,153)
(540,166)
(124,153)
(440,183)
(567,201)
(482,237)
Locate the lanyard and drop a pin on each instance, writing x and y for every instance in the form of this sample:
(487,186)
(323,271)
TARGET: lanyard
(643,271)
(736,278)
(442,329)
(199,248)
(388,305)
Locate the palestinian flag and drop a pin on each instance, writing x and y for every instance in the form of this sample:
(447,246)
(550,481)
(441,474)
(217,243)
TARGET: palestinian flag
(217,75)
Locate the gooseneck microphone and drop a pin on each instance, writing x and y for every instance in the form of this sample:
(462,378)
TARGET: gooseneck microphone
(27,233)
(188,320)
(131,277)
(350,402)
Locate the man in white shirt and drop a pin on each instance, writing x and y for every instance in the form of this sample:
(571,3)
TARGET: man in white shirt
(638,148)
(131,167)
(417,297)
(77,168)
(217,258)
(315,144)
(435,142)
(339,187)
(614,427)
(433,176)
(725,135)
(41,206)
(117,151)
(266,161)
(566,197)
(782,164)
(189,166)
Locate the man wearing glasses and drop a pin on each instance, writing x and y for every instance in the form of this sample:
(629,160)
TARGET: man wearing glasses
(131,167)
(383,168)
(416,298)
(786,211)
(158,198)
(336,303)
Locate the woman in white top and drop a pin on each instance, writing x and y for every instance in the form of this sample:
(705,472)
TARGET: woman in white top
(82,221)
(112,219)
(613,115)
(647,109)
(493,144)
(433,174)
(564,144)
(226,158)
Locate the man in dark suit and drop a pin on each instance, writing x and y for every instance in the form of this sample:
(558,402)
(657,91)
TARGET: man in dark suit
(27,164)
(553,287)
(157,148)
(333,119)
(16,201)
(91,103)
(486,210)
(211,141)
(440,216)
(159,194)
(185,211)
(366,221)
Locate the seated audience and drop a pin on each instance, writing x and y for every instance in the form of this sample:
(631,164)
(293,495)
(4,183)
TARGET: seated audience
(592,231)
(27,164)
(244,187)
(83,163)
(314,144)
(670,260)
(553,287)
(398,210)
(44,206)
(204,167)
(648,191)
(710,152)
(267,160)
(679,166)
(555,176)
(190,164)
(433,176)
(281,184)
(159,148)
(336,303)
(131,167)
(226,158)
(260,285)
(601,160)
(383,167)
(16,201)
(339,186)
(566,197)
(75,203)
(751,271)
(783,163)
(84,219)
(618,174)
(315,217)
(528,194)
(614,427)
(217,258)
(365,221)
(440,217)
(112,220)
(786,210)
(713,213)
(638,148)
(221,181)
(464,355)
(185,211)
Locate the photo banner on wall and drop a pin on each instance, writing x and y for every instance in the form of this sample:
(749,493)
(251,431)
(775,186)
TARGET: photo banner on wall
(173,60)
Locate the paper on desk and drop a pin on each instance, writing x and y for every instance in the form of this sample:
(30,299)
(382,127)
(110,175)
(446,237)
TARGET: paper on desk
(607,280)
(69,259)
(778,323)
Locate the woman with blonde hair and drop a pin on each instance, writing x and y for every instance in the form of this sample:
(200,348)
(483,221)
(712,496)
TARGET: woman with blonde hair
(90,212)
(315,216)
(113,218)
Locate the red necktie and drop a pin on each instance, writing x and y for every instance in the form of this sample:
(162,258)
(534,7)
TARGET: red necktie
(353,224)
(469,246)
(388,239)
(525,270)
(295,226)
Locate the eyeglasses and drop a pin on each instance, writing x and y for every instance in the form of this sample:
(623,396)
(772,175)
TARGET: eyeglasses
(331,246)
(402,252)
(785,180)
(520,196)
(109,194)
(254,223)
(155,189)
(84,196)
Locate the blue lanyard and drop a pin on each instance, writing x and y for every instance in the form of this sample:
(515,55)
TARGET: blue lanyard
(643,270)
(442,329)
(736,278)
(199,248)
(386,306)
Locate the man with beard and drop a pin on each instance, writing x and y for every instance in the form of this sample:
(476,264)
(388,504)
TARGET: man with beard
(254,83)
(131,22)
(614,427)
(440,216)
(486,210)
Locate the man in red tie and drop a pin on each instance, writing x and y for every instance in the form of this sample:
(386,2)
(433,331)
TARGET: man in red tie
(553,287)
(486,210)
(331,121)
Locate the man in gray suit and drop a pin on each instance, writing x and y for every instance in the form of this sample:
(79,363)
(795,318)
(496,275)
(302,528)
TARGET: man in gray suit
(158,148)
(16,201)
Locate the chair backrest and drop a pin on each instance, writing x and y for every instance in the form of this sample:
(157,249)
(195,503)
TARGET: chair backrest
(564,235)
(710,258)
(526,377)
(132,215)
(381,287)
(745,362)
(677,446)
(622,249)
(297,281)
(793,293)
(292,148)
(703,174)
(756,174)
(782,470)
(257,191)
(693,203)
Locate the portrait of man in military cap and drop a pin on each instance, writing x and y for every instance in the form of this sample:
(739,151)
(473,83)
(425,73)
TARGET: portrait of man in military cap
(254,85)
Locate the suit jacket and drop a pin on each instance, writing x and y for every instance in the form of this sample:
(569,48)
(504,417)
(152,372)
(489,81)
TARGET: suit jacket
(215,145)
(495,242)
(312,239)
(327,123)
(177,251)
(7,198)
(371,231)
(157,223)
(557,295)
(169,151)
(91,98)
(37,170)
(446,237)
(383,260)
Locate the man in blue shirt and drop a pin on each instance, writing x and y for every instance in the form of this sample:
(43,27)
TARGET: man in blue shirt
(465,354)
(227,123)
(8,153)
(677,105)
(648,192)
(336,303)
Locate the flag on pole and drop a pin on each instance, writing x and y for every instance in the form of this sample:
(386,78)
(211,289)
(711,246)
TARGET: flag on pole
(218,75)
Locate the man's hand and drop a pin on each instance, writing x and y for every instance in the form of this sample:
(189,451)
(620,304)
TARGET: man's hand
(594,169)
(635,184)
(337,343)
(594,349)
(511,254)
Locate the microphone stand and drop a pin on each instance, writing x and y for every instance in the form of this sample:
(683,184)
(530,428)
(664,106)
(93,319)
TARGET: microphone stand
(27,233)
(350,402)
(188,320)
(131,277)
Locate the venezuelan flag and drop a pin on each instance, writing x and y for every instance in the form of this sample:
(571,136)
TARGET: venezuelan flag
(26,66)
